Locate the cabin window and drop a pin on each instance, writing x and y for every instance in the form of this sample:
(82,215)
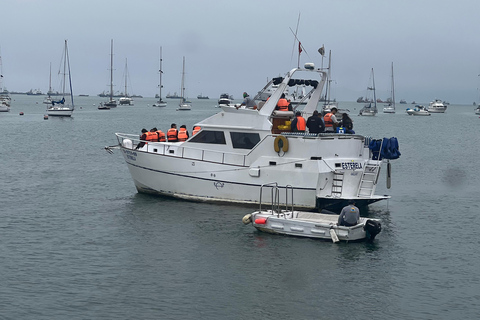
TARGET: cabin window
(207,136)
(244,140)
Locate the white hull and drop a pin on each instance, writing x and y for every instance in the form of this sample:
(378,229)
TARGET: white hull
(307,224)
(4,108)
(160,104)
(437,110)
(125,101)
(388,110)
(184,107)
(60,112)
(477,111)
(368,114)
(437,106)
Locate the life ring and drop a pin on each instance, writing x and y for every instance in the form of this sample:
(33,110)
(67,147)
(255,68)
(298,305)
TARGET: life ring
(280,142)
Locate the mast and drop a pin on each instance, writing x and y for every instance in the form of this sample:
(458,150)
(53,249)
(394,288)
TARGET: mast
(374,94)
(67,59)
(50,81)
(111,70)
(182,88)
(160,78)
(64,69)
(393,90)
(126,74)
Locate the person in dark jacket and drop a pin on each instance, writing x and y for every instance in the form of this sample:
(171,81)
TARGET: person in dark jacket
(347,123)
(142,137)
(315,123)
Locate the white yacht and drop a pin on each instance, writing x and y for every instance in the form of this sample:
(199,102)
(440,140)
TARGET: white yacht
(437,106)
(224,100)
(418,111)
(370,109)
(238,150)
(62,107)
(477,110)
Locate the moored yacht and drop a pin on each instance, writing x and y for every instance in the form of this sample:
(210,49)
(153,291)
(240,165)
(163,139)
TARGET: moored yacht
(437,106)
(238,150)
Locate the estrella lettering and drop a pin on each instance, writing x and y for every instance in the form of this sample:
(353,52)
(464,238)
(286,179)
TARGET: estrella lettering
(351,165)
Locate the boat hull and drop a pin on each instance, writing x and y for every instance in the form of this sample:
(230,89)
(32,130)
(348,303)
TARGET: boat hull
(60,112)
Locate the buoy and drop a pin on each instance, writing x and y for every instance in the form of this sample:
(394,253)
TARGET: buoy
(45,117)
(333,235)
(21,113)
(280,142)
(260,220)
(247,218)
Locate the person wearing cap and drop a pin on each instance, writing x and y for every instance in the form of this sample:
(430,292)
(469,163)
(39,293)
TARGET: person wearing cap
(350,215)
(299,124)
(315,123)
(248,102)
(331,121)
(142,137)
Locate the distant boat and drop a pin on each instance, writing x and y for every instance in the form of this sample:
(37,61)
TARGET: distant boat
(183,103)
(160,102)
(477,111)
(112,103)
(403,101)
(34,92)
(126,100)
(103,107)
(173,96)
(83,95)
(225,100)
(202,97)
(4,97)
(437,106)
(62,108)
(390,108)
(369,109)
(418,111)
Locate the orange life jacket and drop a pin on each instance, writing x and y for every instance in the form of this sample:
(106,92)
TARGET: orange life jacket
(195,130)
(328,120)
(282,105)
(152,136)
(301,123)
(182,134)
(161,136)
(172,135)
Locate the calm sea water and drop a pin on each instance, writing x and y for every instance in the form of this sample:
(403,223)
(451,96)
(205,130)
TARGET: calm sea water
(78,241)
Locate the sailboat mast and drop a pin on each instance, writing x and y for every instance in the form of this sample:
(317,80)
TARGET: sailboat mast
(50,81)
(374,94)
(67,59)
(111,70)
(160,77)
(183,81)
(393,89)
(126,75)
(64,68)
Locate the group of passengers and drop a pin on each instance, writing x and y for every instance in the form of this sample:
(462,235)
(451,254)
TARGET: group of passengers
(329,123)
(172,135)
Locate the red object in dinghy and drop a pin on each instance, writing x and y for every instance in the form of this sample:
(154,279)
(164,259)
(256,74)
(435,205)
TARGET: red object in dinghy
(260,220)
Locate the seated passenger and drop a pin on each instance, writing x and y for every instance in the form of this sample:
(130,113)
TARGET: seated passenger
(350,215)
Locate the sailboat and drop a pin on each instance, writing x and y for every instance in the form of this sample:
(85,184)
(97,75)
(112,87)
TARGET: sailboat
(61,107)
(48,98)
(160,102)
(370,109)
(112,103)
(390,108)
(183,105)
(126,100)
(329,104)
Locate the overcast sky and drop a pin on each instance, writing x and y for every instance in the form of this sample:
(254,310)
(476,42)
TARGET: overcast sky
(236,46)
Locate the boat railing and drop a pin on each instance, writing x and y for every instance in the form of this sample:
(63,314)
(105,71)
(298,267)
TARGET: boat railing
(179,151)
(275,198)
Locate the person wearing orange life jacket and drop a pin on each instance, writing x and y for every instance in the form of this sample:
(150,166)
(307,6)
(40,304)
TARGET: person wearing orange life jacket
(195,130)
(282,104)
(142,137)
(161,136)
(172,133)
(331,121)
(152,135)
(299,124)
(183,133)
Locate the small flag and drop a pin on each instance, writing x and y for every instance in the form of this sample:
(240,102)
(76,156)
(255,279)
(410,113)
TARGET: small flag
(322,50)
(299,47)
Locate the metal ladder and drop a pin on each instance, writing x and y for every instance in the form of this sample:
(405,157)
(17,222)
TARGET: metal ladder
(337,184)
(368,180)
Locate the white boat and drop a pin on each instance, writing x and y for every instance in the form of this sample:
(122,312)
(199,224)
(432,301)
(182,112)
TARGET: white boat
(437,106)
(4,105)
(390,108)
(5,99)
(126,100)
(477,110)
(224,100)
(418,111)
(63,108)
(238,150)
(287,221)
(370,109)
(160,102)
(112,103)
(48,98)
(183,105)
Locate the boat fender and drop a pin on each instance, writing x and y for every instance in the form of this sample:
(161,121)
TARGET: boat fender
(247,218)
(333,235)
(389,175)
(372,228)
(260,220)
(281,142)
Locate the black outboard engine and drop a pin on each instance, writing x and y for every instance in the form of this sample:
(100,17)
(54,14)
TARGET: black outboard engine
(372,228)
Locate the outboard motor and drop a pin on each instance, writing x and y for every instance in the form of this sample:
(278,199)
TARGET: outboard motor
(372,227)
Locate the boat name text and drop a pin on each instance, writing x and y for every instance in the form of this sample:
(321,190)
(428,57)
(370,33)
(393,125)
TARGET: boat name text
(351,165)
(132,155)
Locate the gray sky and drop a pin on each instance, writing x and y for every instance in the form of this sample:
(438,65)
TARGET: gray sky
(235,46)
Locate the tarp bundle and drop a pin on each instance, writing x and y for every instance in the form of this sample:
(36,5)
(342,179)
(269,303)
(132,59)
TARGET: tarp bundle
(296,82)
(385,149)
(59,102)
